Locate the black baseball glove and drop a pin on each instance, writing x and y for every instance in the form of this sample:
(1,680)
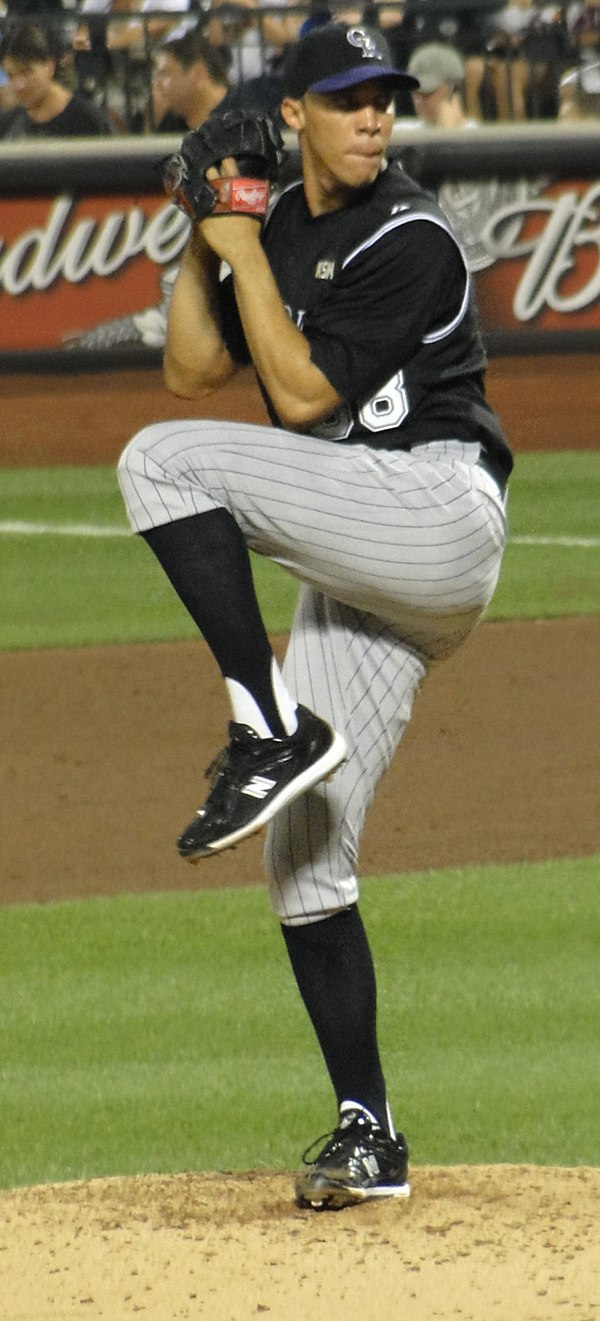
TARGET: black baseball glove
(256,145)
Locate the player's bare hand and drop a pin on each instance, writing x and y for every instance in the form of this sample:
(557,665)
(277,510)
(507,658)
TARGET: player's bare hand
(229,236)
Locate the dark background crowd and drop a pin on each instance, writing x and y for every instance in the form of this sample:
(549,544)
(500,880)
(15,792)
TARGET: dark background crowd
(88,67)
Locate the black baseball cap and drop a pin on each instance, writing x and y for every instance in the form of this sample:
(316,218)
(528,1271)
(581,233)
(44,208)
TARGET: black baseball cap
(334,56)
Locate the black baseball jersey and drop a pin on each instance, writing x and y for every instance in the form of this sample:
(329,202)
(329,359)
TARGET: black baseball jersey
(381,290)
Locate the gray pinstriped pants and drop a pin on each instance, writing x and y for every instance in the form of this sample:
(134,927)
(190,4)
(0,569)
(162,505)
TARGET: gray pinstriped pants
(398,553)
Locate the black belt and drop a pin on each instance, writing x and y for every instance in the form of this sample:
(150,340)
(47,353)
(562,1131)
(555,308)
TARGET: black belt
(494,470)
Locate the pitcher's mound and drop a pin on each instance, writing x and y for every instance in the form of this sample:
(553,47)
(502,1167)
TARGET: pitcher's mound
(496,1243)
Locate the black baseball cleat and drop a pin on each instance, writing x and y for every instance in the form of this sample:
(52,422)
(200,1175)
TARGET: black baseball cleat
(253,778)
(359,1161)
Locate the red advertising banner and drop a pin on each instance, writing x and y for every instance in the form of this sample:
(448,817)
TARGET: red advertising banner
(544,268)
(68,267)
(96,272)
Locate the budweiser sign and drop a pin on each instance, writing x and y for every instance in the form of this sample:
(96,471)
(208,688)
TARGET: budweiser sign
(98,271)
(65,266)
(547,252)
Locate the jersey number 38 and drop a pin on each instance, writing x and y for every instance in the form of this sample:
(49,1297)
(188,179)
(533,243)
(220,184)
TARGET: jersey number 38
(387,409)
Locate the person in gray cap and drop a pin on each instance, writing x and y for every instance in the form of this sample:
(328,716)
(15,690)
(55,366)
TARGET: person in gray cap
(379,484)
(439,103)
(440,72)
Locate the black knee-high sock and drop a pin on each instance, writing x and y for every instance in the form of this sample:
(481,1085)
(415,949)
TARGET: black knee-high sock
(333,967)
(206,559)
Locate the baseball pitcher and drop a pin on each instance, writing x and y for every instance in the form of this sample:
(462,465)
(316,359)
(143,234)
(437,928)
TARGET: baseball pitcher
(380,485)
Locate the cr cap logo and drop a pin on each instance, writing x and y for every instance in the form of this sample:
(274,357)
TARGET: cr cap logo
(358,37)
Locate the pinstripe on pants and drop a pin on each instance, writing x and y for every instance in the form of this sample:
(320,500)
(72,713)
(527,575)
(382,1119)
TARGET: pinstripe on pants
(398,553)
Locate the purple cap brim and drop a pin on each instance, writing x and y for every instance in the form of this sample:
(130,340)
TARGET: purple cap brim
(362,73)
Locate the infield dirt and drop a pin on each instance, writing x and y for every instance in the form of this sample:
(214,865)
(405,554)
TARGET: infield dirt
(504,1243)
(102,757)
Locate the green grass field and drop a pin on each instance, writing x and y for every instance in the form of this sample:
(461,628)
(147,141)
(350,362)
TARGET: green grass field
(72,576)
(164,1032)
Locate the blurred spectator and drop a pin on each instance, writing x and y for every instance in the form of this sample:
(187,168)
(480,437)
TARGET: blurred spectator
(113,53)
(255,40)
(141,33)
(191,79)
(464,24)
(439,103)
(50,13)
(583,22)
(528,53)
(440,70)
(509,72)
(546,49)
(91,58)
(7,96)
(317,15)
(427,21)
(579,93)
(43,105)
(29,8)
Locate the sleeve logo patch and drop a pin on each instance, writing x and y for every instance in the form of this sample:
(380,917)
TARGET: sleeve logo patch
(325,270)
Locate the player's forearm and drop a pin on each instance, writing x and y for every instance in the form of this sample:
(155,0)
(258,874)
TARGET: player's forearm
(299,391)
(196,359)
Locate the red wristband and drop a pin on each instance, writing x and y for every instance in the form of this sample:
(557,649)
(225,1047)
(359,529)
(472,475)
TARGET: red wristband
(248,197)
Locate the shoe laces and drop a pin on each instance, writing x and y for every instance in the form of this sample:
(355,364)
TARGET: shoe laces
(339,1136)
(243,742)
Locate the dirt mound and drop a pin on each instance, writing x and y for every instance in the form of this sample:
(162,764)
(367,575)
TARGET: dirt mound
(104,748)
(512,1243)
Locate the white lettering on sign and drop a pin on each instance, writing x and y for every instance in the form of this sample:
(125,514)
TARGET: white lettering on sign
(41,256)
(572,223)
(565,247)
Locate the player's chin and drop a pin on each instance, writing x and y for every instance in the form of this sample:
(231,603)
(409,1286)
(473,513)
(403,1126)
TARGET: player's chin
(363,170)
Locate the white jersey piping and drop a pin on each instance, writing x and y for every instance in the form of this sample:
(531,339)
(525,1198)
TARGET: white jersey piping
(405,220)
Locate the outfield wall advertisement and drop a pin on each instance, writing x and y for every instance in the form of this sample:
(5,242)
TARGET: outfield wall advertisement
(94,272)
(79,272)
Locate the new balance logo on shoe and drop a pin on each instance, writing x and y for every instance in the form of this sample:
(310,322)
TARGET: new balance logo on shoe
(253,778)
(258,786)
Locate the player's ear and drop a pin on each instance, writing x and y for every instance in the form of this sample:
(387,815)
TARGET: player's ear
(292,113)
